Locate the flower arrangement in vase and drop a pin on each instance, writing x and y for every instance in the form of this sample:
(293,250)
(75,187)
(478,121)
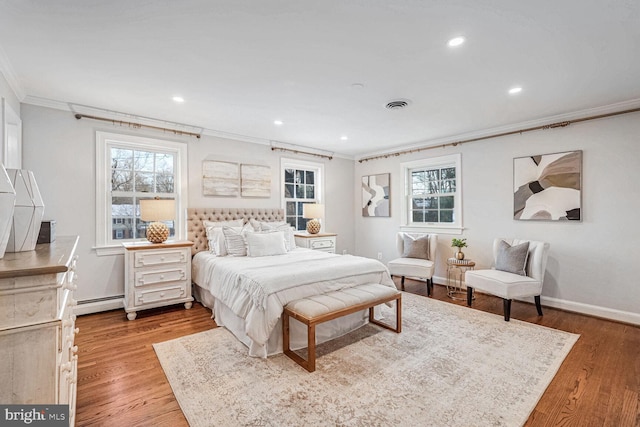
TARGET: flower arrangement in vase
(459,243)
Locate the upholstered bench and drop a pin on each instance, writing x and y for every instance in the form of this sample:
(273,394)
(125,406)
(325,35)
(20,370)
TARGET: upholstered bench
(321,308)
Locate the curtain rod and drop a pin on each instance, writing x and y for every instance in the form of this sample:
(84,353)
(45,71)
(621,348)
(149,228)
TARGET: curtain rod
(326,156)
(496,135)
(136,125)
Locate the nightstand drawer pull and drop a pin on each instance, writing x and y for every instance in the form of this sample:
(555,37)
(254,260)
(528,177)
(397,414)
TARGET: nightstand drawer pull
(144,259)
(151,277)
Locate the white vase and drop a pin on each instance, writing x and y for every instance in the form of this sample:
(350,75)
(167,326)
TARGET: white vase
(28,212)
(7,203)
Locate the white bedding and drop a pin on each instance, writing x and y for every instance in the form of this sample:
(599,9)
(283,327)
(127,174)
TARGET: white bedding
(257,288)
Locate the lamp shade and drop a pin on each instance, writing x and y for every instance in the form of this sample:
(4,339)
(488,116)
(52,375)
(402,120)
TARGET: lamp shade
(312,210)
(157,210)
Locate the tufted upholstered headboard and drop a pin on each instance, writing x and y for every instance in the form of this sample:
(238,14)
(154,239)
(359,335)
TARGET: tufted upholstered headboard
(196,231)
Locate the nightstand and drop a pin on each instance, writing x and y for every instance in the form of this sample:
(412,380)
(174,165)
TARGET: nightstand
(325,242)
(156,274)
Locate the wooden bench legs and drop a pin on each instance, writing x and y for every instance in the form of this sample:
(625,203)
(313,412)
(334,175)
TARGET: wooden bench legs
(310,363)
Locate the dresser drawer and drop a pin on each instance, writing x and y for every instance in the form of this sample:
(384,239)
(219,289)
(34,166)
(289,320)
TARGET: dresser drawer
(321,244)
(159,294)
(145,278)
(150,258)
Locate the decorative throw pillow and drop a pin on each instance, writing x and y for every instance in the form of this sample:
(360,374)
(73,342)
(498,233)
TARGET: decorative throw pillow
(512,259)
(288,231)
(265,243)
(416,247)
(215,238)
(234,240)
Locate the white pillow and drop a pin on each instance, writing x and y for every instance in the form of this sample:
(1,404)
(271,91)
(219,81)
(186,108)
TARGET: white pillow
(289,238)
(215,237)
(234,239)
(265,243)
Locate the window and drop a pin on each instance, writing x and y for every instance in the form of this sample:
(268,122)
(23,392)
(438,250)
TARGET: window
(432,193)
(301,183)
(129,169)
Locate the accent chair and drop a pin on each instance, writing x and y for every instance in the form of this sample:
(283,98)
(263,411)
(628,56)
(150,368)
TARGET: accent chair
(518,271)
(417,257)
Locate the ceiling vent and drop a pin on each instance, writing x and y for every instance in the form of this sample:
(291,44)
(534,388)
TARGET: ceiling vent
(397,104)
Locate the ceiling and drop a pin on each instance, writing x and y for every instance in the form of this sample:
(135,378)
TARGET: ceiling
(326,68)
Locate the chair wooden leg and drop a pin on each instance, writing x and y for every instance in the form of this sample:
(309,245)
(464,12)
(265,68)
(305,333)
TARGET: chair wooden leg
(402,283)
(469,295)
(538,305)
(507,309)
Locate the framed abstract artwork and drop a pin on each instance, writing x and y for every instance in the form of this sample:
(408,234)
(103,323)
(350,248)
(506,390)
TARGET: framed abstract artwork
(220,178)
(255,181)
(375,195)
(548,187)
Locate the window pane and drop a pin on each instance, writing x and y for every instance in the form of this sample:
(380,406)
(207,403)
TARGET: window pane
(300,192)
(122,215)
(291,221)
(288,191)
(418,216)
(446,216)
(164,183)
(433,187)
(418,203)
(448,186)
(431,203)
(446,202)
(448,173)
(164,163)
(310,177)
(291,208)
(311,192)
(432,175)
(121,159)
(288,175)
(302,223)
(300,204)
(299,177)
(144,182)
(143,161)
(431,216)
(121,180)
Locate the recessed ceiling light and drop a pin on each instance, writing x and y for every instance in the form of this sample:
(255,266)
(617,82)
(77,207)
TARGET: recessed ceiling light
(178,99)
(344,137)
(456,41)
(515,90)
(278,122)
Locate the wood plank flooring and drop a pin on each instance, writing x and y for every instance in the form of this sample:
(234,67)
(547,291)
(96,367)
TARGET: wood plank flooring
(120,381)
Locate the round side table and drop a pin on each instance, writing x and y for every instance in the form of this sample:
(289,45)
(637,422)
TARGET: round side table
(455,277)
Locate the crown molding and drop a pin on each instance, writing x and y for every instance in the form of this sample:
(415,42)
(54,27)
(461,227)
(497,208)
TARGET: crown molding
(10,75)
(605,109)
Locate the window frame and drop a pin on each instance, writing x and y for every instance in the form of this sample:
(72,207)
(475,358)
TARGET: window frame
(407,224)
(104,141)
(318,168)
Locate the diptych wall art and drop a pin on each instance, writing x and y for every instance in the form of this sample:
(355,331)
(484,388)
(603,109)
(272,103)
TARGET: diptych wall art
(375,195)
(548,187)
(255,181)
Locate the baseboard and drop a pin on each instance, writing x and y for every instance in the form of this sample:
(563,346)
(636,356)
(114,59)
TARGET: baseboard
(576,307)
(96,306)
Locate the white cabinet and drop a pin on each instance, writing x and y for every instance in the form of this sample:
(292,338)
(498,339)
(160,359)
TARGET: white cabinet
(325,242)
(157,275)
(37,325)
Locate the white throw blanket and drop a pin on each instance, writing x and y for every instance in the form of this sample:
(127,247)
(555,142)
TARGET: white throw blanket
(257,289)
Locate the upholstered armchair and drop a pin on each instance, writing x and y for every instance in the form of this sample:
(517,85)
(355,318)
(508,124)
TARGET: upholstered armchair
(518,271)
(417,257)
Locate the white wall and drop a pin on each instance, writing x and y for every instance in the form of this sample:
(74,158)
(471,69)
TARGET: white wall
(8,94)
(593,265)
(61,152)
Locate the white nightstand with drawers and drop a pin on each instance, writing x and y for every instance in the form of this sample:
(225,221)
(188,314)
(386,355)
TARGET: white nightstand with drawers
(156,274)
(325,242)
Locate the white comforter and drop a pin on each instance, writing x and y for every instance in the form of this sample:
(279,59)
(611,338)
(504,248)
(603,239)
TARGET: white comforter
(257,289)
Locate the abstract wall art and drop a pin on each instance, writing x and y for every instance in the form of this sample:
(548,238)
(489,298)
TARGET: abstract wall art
(220,178)
(375,195)
(255,181)
(548,187)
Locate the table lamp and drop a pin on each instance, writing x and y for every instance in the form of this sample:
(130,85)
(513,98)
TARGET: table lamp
(313,211)
(157,210)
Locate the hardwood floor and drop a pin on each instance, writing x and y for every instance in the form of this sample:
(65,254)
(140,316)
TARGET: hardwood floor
(120,381)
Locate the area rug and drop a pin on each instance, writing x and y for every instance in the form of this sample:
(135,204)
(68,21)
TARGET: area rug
(450,366)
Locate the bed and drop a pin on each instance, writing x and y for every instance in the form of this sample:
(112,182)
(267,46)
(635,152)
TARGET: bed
(247,294)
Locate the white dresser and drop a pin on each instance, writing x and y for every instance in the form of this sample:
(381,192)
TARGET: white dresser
(325,242)
(156,274)
(39,361)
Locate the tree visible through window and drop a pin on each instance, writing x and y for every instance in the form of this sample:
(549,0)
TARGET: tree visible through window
(301,184)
